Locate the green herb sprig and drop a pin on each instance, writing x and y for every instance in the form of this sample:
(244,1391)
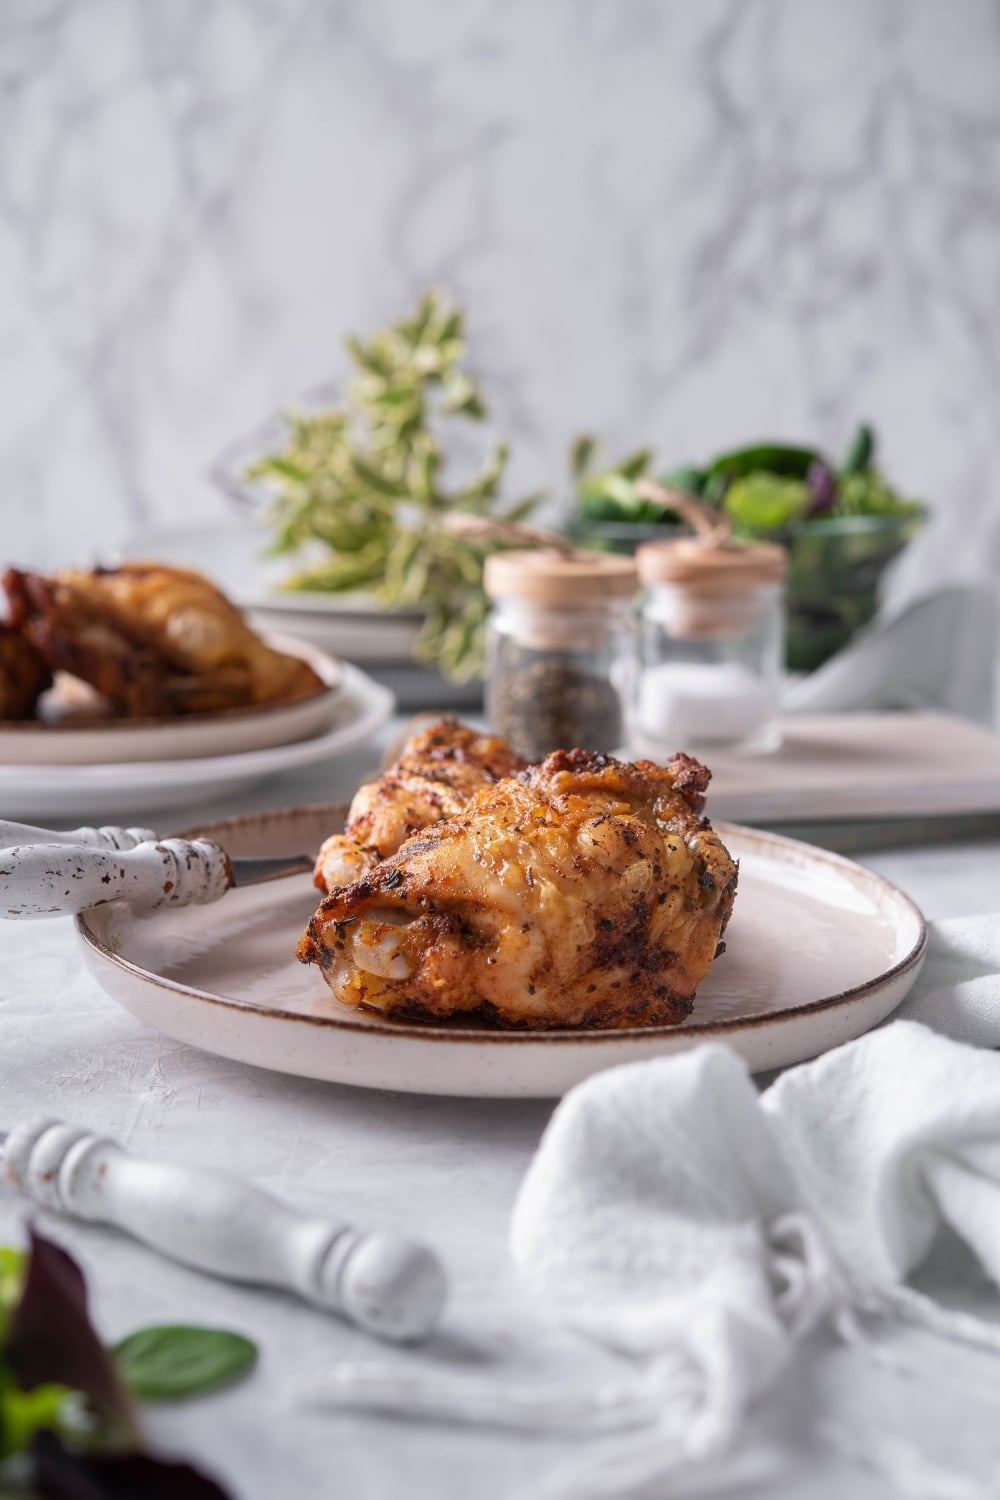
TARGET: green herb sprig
(361,490)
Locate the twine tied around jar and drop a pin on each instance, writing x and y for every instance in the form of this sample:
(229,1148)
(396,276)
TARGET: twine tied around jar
(488,529)
(711,527)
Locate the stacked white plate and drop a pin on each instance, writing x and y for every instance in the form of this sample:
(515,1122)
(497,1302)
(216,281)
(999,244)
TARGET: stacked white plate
(66,769)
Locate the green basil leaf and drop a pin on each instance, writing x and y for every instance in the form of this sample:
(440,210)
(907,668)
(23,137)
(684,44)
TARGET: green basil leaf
(171,1361)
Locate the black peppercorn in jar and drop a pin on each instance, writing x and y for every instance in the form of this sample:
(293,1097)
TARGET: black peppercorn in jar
(561,652)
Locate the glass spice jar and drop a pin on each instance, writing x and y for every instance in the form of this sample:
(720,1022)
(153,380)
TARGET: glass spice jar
(711,646)
(560,649)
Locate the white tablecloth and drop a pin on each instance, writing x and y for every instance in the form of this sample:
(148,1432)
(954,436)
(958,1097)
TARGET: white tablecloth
(444,1170)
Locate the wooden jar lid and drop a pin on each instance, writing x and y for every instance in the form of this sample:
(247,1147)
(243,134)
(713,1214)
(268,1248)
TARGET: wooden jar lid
(724,566)
(543,576)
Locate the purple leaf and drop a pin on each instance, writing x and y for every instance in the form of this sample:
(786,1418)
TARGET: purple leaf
(51,1340)
(822,485)
(60,1474)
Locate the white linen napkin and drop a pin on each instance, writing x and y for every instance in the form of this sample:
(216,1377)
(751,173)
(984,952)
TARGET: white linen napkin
(958,991)
(942,651)
(676,1216)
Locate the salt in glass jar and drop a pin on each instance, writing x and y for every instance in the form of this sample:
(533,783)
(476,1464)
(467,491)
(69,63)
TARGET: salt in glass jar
(560,649)
(711,646)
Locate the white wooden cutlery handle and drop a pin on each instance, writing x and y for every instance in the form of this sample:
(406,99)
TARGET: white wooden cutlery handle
(109,837)
(43,880)
(389,1286)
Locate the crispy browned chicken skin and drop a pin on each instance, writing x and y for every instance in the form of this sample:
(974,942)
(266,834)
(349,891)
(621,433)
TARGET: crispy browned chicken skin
(24,675)
(155,641)
(584,891)
(435,774)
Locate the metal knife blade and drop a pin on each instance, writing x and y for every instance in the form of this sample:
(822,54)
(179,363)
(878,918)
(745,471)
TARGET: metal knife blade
(255,871)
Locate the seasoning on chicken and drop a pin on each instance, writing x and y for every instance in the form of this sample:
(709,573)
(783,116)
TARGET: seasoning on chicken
(584,892)
(155,641)
(435,774)
(24,675)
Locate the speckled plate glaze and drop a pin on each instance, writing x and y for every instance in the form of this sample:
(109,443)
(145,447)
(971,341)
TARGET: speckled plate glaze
(818,951)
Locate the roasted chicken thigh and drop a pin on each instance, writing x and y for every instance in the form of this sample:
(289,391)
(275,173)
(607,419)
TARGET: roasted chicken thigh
(435,774)
(24,675)
(153,640)
(584,891)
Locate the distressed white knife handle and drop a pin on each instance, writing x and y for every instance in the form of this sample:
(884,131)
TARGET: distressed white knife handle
(43,880)
(391,1287)
(109,837)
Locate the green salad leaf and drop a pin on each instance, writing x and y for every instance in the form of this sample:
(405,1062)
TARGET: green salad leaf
(766,502)
(766,458)
(867,494)
(687,479)
(860,452)
(610,494)
(765,487)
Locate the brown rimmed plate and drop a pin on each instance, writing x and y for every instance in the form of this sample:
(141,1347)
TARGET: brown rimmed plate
(819,950)
(72,741)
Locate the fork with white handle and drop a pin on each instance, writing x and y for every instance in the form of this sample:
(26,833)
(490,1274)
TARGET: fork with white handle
(44,873)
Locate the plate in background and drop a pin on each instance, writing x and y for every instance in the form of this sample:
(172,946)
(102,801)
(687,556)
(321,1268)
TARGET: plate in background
(114,789)
(818,951)
(99,742)
(351,625)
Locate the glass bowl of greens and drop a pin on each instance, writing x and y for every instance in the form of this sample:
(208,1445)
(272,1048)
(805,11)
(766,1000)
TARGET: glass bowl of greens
(842,524)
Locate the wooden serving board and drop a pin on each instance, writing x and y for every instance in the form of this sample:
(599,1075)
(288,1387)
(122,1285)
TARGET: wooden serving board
(862,766)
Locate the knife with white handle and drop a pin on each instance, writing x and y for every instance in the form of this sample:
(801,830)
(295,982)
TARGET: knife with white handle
(389,1286)
(52,878)
(109,837)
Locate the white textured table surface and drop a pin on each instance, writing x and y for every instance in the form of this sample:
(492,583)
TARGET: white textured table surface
(444,1170)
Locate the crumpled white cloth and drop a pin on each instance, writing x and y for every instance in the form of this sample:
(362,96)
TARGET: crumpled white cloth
(942,651)
(958,991)
(675,1215)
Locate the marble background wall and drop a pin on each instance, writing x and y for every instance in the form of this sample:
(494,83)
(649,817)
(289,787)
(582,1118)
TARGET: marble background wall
(676,222)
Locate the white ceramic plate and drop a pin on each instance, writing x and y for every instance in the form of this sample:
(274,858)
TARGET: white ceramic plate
(116,789)
(126,740)
(351,625)
(818,951)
